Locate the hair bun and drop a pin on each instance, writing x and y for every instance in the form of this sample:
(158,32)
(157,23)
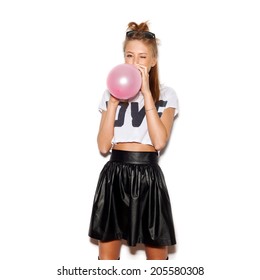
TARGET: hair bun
(143,26)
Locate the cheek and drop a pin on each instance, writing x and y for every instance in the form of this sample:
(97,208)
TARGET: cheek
(153,62)
(149,66)
(128,60)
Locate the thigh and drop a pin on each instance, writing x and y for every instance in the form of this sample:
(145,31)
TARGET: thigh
(156,253)
(109,250)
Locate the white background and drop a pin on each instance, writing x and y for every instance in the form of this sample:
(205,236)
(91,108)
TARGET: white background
(54,60)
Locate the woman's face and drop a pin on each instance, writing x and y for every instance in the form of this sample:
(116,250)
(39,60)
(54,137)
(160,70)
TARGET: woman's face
(136,52)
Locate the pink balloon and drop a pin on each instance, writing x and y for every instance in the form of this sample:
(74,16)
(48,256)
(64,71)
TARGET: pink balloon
(124,81)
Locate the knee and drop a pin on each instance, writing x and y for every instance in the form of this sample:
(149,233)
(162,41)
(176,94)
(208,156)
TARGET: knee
(108,257)
(109,250)
(156,253)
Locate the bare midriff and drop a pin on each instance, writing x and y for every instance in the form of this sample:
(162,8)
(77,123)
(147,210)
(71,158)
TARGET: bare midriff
(134,147)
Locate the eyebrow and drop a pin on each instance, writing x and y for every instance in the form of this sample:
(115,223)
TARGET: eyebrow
(133,52)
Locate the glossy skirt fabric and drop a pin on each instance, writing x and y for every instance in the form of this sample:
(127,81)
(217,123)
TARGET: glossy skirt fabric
(132,202)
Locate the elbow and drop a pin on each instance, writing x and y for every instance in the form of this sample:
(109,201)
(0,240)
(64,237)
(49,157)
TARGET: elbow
(104,150)
(104,145)
(160,142)
(159,145)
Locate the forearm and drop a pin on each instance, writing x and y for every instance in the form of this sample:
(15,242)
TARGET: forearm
(156,128)
(106,130)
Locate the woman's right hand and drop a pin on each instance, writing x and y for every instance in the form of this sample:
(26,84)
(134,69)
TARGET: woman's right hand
(113,100)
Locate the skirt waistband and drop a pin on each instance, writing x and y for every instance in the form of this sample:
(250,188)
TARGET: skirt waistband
(134,157)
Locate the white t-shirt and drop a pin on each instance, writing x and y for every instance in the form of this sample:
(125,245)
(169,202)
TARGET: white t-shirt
(130,122)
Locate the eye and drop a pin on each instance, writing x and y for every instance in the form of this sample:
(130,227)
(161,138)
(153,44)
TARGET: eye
(129,55)
(143,57)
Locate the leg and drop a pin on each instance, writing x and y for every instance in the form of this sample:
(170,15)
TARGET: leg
(109,250)
(156,253)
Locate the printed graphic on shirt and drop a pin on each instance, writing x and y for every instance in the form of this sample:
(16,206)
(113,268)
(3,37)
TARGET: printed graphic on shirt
(137,114)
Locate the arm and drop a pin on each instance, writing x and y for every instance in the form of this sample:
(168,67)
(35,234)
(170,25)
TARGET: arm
(106,128)
(159,128)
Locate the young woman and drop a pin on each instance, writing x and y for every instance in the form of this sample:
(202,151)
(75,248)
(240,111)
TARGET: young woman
(131,200)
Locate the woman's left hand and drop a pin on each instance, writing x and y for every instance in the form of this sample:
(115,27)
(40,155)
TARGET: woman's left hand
(145,88)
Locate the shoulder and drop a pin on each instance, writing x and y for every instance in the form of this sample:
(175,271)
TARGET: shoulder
(104,100)
(168,97)
(106,94)
(167,92)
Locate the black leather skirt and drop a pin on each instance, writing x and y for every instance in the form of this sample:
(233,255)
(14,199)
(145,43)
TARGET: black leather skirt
(132,202)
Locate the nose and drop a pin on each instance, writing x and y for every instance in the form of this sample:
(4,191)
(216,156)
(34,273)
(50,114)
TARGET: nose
(132,60)
(136,60)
